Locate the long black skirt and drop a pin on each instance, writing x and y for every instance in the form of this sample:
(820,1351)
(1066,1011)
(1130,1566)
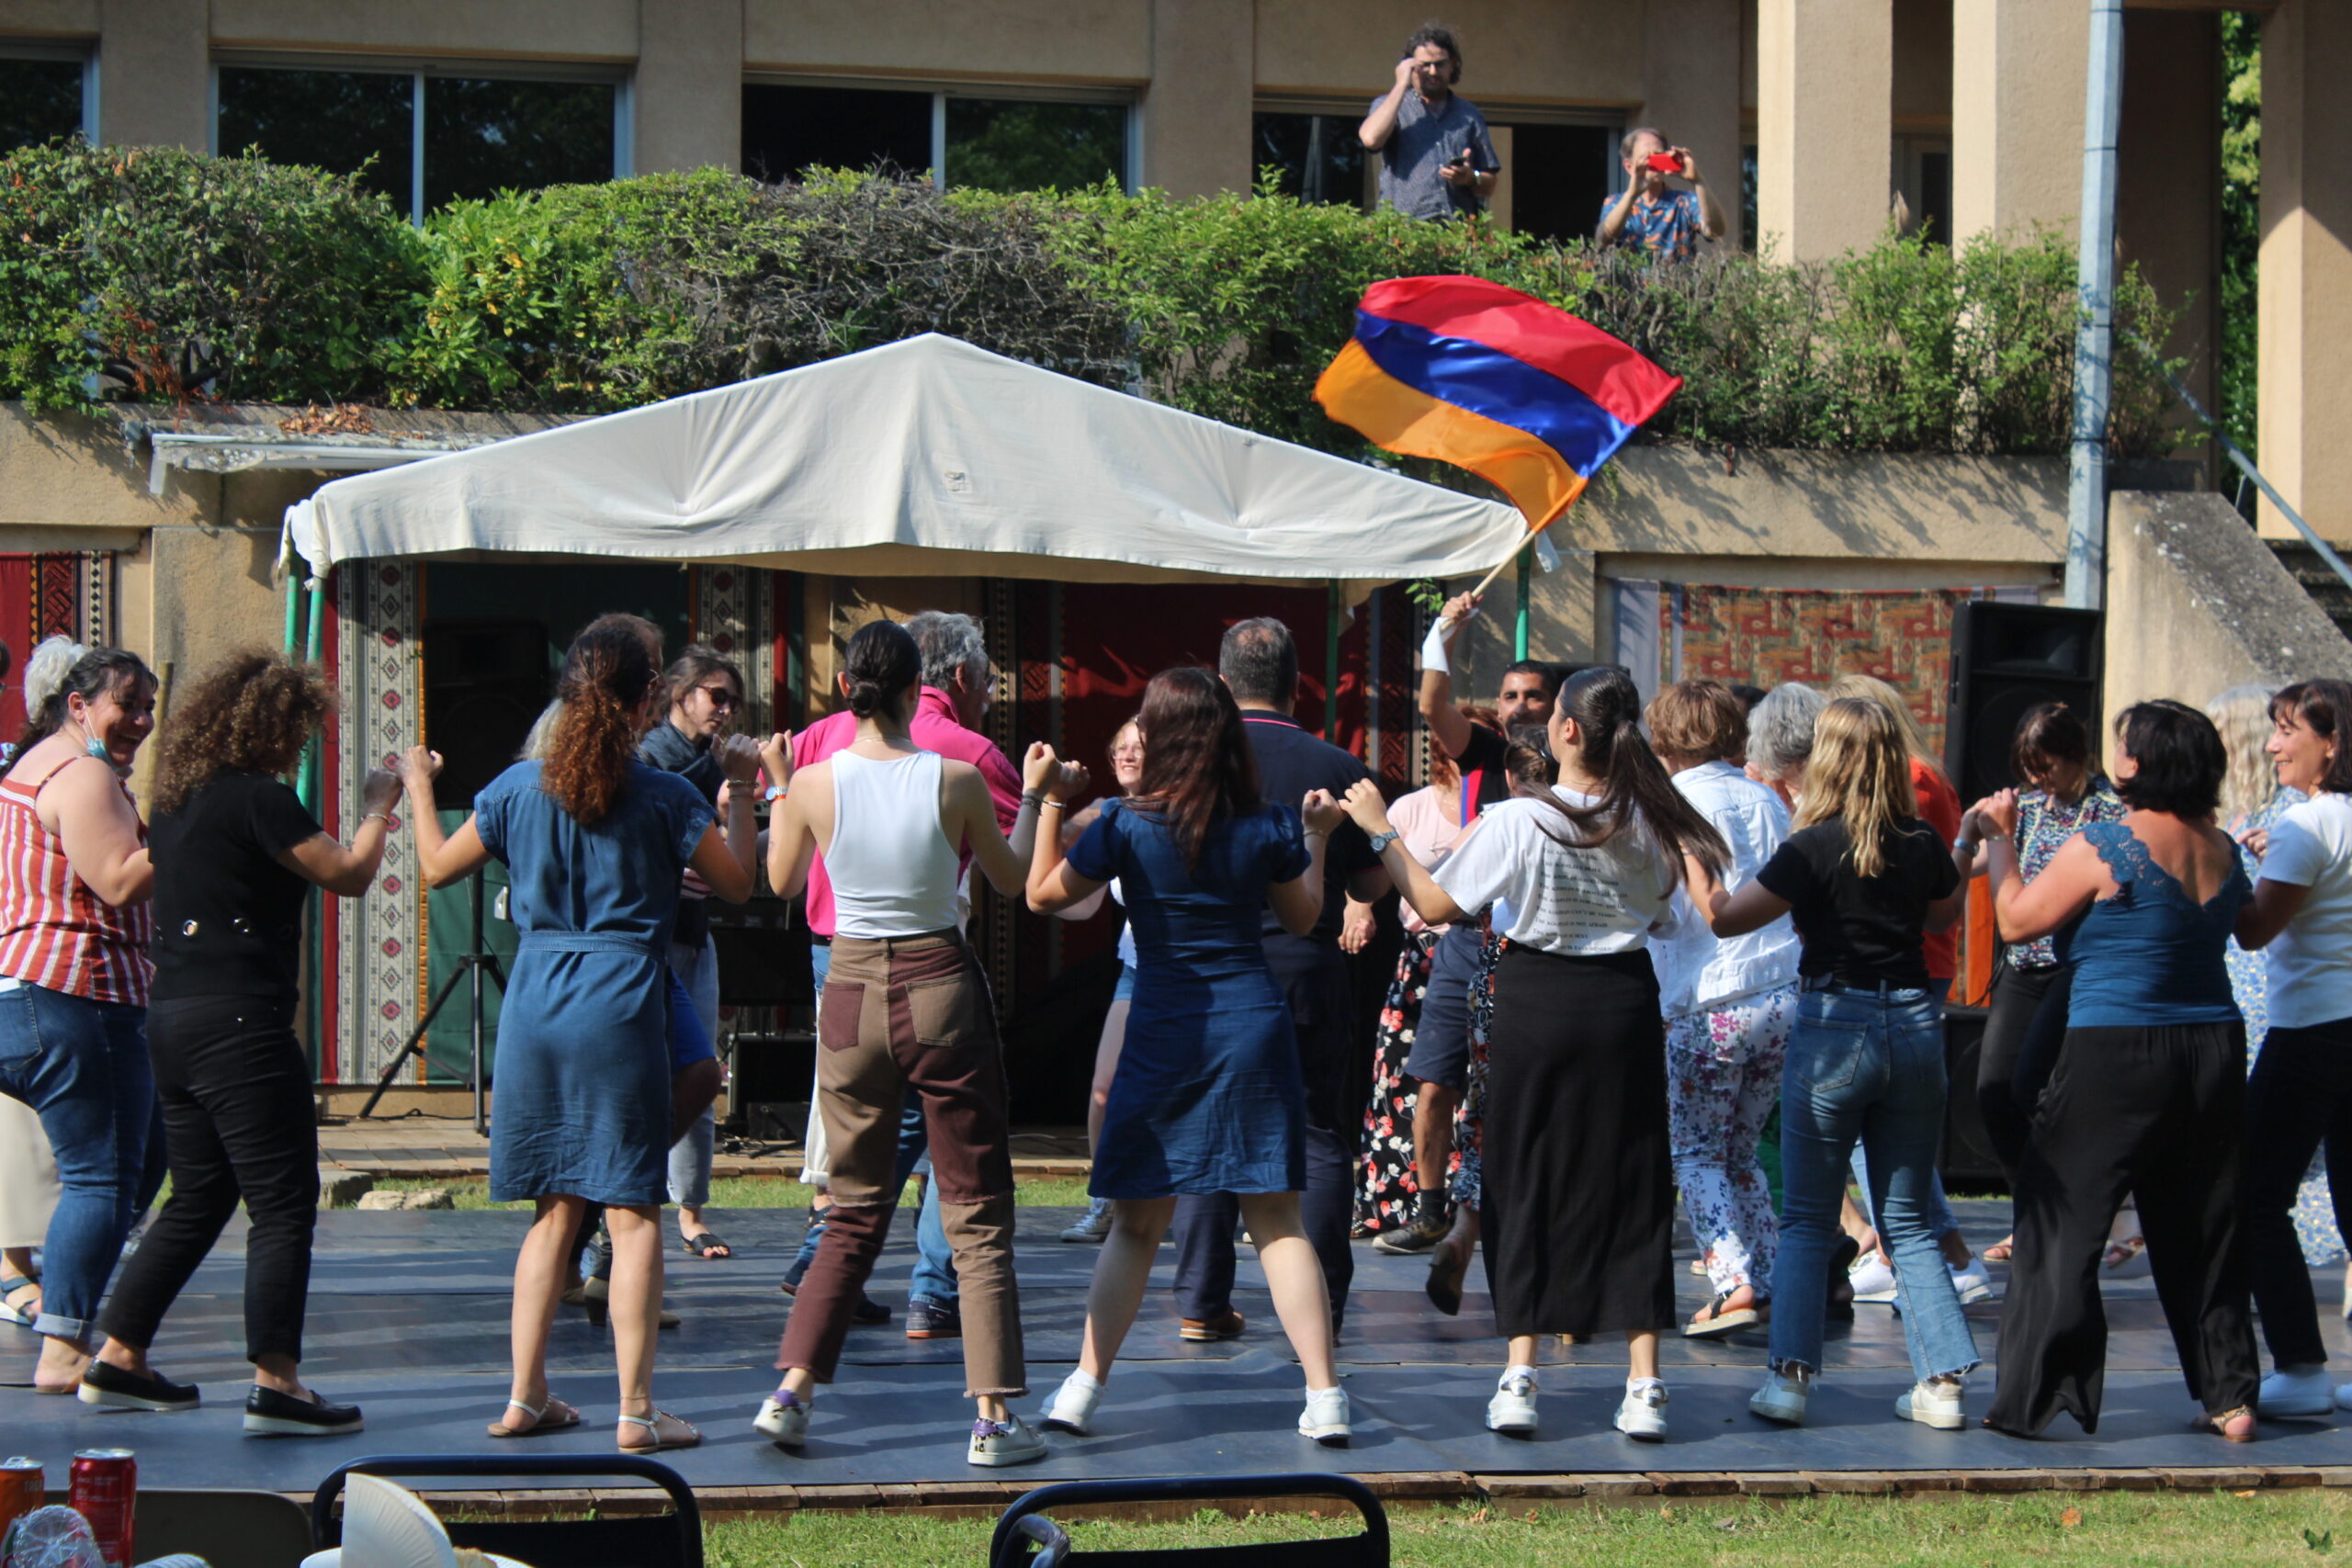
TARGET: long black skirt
(1577,1207)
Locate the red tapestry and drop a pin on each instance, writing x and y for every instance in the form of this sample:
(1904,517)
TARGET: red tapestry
(1764,636)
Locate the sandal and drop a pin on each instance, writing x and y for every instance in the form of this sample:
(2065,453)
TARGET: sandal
(1716,1318)
(11,1311)
(2000,1251)
(707,1245)
(2230,1425)
(2120,1256)
(676,1435)
(551,1416)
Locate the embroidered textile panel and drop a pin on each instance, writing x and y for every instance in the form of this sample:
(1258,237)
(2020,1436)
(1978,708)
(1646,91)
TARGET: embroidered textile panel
(381,939)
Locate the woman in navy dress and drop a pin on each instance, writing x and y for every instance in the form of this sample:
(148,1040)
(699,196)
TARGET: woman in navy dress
(594,842)
(1208,1095)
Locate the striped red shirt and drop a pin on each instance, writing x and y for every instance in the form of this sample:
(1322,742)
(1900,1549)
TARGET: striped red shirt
(55,932)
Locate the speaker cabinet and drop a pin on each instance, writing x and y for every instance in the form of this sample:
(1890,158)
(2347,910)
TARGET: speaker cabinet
(2005,659)
(485,681)
(1968,1162)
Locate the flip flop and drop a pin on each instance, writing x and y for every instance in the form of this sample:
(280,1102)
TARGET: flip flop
(707,1245)
(565,1416)
(1999,1252)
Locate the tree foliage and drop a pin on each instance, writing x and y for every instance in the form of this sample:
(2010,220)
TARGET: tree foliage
(2241,222)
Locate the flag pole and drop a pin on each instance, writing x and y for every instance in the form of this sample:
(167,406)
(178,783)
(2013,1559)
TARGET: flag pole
(1488,581)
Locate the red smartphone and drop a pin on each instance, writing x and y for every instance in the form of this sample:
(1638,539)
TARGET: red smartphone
(1665,163)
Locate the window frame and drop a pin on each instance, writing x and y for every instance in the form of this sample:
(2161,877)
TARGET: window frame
(1113,96)
(67,50)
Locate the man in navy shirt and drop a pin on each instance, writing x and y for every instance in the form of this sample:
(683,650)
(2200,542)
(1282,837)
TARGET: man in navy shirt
(1258,662)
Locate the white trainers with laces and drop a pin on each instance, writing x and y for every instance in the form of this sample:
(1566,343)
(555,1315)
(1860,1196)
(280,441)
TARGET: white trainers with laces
(1513,1407)
(1010,1442)
(1093,1225)
(1641,1415)
(1782,1397)
(1325,1420)
(783,1416)
(1933,1403)
(1973,1283)
(2302,1393)
(1873,1279)
(1071,1409)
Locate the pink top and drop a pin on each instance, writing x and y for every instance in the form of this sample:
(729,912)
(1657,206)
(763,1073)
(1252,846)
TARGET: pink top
(54,933)
(934,729)
(1426,834)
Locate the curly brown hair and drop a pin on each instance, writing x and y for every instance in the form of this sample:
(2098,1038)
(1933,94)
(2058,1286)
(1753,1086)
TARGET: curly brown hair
(606,672)
(251,713)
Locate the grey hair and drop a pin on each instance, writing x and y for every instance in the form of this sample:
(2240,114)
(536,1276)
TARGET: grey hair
(46,671)
(950,644)
(1779,731)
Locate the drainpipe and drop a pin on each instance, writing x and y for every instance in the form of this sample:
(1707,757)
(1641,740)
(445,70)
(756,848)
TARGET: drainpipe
(2095,337)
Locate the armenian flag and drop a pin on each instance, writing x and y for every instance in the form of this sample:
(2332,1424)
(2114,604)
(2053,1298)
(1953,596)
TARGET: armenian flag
(1521,393)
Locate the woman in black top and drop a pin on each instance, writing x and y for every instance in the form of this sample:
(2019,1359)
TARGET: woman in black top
(235,856)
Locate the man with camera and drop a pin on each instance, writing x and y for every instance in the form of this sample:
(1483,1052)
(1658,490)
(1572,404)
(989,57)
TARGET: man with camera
(1437,162)
(1664,223)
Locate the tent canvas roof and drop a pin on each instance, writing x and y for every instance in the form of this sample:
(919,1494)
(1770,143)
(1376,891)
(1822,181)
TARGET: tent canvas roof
(926,456)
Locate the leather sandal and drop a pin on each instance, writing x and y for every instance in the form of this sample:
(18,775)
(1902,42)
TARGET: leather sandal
(2231,1426)
(552,1414)
(1716,1317)
(666,1430)
(21,1313)
(707,1246)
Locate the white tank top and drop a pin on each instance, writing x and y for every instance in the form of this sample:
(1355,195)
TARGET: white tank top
(893,871)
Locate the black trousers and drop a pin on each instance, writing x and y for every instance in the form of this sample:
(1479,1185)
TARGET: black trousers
(2300,1096)
(2157,1112)
(1314,975)
(2024,1029)
(239,1123)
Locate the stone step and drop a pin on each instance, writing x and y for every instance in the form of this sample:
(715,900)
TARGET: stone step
(2327,591)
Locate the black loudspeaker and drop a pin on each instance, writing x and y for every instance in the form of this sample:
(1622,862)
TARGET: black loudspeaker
(1968,1162)
(761,947)
(485,682)
(2005,658)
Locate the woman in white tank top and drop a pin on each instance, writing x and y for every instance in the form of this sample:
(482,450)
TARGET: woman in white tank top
(905,1008)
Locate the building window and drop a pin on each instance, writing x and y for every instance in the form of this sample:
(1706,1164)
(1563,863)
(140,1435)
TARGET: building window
(425,139)
(1318,156)
(43,95)
(983,143)
(1560,176)
(1924,176)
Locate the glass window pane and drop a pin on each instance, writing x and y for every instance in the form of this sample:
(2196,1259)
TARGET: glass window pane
(482,137)
(1560,176)
(787,130)
(1318,155)
(39,99)
(999,145)
(335,120)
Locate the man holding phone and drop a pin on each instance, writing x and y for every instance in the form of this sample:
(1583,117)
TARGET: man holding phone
(1664,223)
(1437,160)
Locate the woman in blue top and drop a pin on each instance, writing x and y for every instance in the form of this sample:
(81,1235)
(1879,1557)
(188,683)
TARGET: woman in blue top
(594,842)
(2149,1093)
(1208,1095)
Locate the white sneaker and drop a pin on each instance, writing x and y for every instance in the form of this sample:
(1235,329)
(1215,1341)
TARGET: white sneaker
(1010,1442)
(1072,1407)
(2344,1397)
(1872,1279)
(1973,1283)
(1641,1415)
(1933,1404)
(786,1424)
(1782,1397)
(1325,1420)
(2306,1392)
(1513,1407)
(1093,1225)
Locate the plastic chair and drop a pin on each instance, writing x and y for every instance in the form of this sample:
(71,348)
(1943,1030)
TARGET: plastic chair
(659,1540)
(1024,1538)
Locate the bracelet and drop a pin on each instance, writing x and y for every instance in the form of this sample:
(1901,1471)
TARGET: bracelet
(1965,845)
(1033,797)
(1049,800)
(383,817)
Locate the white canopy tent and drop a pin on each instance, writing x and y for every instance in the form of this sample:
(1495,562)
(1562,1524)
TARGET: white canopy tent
(927,456)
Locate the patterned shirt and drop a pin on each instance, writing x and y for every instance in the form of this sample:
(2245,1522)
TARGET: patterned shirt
(54,931)
(1667,228)
(2044,824)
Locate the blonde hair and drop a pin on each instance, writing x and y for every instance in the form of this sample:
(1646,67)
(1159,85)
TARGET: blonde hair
(1871,689)
(1858,773)
(2243,716)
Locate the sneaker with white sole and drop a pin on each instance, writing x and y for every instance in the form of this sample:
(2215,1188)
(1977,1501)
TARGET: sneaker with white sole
(1933,1403)
(997,1444)
(1641,1415)
(2304,1393)
(1973,1283)
(1325,1420)
(1873,1279)
(783,1417)
(1071,1409)
(1782,1397)
(1092,1225)
(1513,1407)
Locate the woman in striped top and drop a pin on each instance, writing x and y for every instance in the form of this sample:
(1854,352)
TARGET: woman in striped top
(75,926)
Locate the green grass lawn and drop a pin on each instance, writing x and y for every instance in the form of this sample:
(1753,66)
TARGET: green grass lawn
(748,1192)
(2059,1530)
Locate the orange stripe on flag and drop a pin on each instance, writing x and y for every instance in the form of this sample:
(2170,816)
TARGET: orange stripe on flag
(1356,391)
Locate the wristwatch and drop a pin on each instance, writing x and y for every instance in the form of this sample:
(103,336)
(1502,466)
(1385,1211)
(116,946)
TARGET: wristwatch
(1382,840)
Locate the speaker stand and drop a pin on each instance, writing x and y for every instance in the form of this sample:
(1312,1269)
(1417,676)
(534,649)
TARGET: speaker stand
(470,966)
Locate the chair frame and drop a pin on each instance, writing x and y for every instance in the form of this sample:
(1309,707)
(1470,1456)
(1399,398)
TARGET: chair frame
(326,1531)
(1023,1525)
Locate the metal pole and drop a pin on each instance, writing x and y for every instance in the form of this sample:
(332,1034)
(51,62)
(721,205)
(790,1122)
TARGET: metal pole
(1526,581)
(306,785)
(293,609)
(2095,336)
(1331,612)
(480,945)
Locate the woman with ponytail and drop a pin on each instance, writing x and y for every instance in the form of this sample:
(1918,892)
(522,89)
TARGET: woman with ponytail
(1866,880)
(595,843)
(1577,1189)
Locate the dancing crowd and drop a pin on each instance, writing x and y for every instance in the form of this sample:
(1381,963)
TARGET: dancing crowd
(1697,946)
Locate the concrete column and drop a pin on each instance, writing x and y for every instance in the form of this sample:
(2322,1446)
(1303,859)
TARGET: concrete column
(2018,73)
(2306,284)
(154,81)
(1825,84)
(1195,114)
(687,96)
(1691,90)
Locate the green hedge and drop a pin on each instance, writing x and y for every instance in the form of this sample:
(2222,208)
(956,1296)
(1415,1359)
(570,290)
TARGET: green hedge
(161,275)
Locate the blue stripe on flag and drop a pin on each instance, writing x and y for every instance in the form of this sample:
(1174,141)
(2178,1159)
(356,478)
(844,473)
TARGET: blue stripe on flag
(1496,385)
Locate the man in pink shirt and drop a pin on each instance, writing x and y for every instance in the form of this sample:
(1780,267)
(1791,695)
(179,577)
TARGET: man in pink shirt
(956,688)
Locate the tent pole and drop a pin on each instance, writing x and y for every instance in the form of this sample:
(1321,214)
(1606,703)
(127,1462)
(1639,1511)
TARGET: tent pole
(1526,581)
(1331,666)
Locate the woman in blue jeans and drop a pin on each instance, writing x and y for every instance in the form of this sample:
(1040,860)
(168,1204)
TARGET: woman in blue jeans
(1865,879)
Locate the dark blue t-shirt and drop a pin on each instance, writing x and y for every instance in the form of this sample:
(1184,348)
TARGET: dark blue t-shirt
(1291,763)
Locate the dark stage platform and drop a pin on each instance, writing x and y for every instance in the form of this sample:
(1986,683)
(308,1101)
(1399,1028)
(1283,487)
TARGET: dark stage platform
(408,1317)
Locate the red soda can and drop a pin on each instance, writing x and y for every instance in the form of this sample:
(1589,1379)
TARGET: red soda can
(104,1489)
(20,1490)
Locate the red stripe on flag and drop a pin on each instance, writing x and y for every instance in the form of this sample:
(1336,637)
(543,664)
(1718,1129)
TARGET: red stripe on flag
(1604,368)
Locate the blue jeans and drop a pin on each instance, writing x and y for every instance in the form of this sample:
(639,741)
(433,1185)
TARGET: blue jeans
(1940,1219)
(1865,1067)
(696,969)
(83,1065)
(934,1276)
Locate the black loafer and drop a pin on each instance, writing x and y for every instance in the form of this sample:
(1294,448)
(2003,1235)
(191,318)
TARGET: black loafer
(112,1388)
(270,1413)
